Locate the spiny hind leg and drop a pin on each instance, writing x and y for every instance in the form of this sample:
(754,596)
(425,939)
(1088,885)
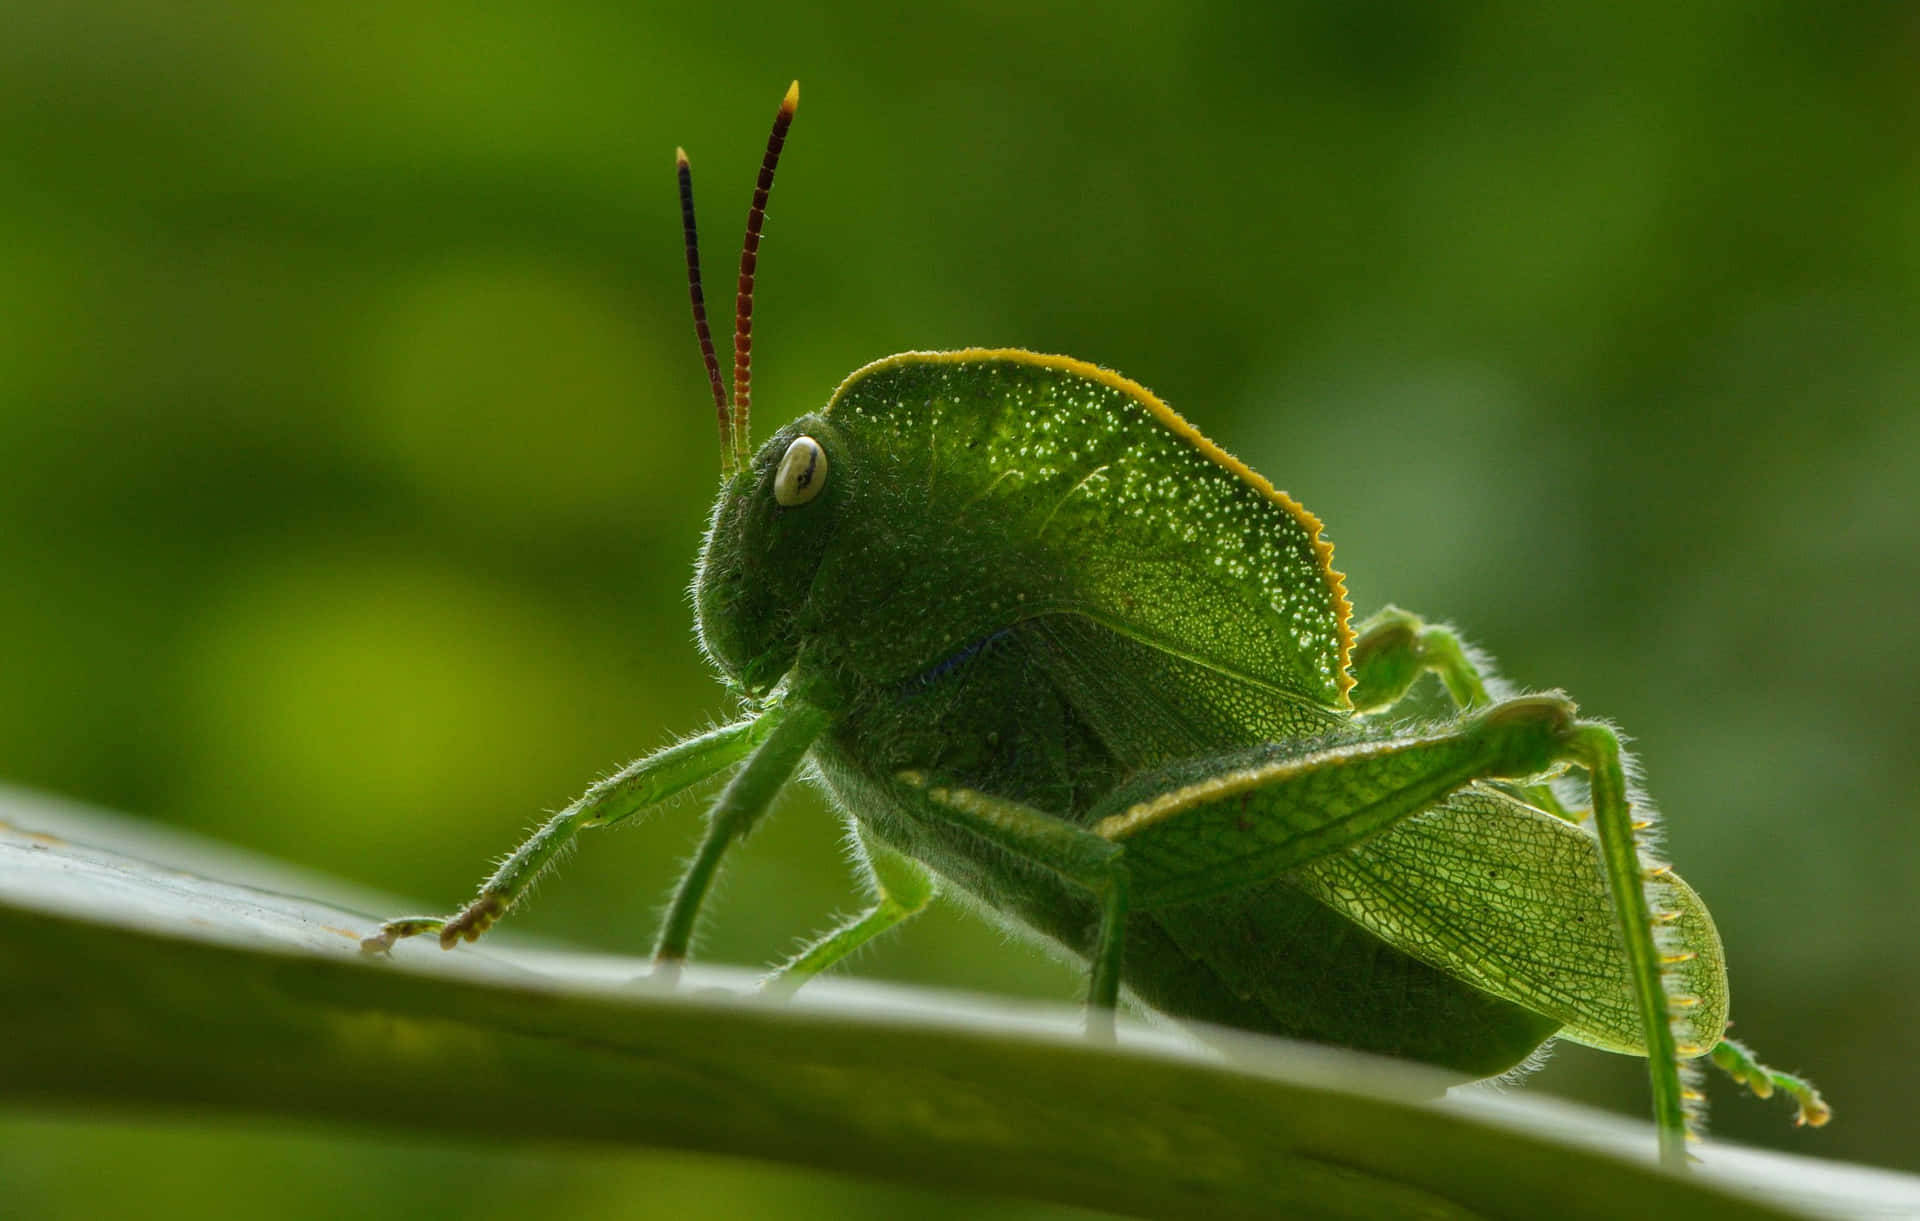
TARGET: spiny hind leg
(902,889)
(1393,650)
(1737,1060)
(1204,827)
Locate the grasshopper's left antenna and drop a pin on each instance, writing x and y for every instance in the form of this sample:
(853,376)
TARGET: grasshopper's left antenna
(728,450)
(749,257)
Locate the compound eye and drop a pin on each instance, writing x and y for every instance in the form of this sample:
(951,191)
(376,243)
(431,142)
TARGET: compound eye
(802,473)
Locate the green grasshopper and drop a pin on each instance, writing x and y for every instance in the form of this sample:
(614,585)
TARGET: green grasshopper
(1046,644)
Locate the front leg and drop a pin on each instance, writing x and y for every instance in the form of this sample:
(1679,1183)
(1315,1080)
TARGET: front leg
(639,786)
(739,806)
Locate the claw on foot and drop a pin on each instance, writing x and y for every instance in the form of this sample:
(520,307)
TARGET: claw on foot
(381,943)
(1738,1061)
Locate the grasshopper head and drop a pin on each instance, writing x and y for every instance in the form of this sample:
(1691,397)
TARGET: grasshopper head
(769,531)
(776,509)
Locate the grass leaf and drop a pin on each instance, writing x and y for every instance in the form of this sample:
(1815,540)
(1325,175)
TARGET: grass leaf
(147,970)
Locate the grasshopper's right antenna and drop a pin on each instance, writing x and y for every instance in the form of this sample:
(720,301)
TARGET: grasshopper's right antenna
(749,259)
(729,452)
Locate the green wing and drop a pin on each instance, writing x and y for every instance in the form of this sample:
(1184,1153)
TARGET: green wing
(1511,899)
(994,487)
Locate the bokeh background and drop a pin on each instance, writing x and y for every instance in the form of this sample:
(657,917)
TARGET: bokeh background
(354,446)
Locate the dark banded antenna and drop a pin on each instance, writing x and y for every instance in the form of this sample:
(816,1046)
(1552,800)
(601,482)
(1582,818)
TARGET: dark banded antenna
(728,450)
(749,258)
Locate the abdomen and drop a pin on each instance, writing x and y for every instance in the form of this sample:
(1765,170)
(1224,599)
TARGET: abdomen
(1011,715)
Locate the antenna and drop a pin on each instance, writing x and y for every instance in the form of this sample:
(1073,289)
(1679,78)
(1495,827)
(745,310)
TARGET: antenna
(749,257)
(728,451)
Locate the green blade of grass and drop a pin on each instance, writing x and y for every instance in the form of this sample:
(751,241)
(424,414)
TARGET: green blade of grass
(149,971)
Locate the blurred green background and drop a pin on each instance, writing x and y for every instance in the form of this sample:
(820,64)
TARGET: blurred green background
(354,445)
